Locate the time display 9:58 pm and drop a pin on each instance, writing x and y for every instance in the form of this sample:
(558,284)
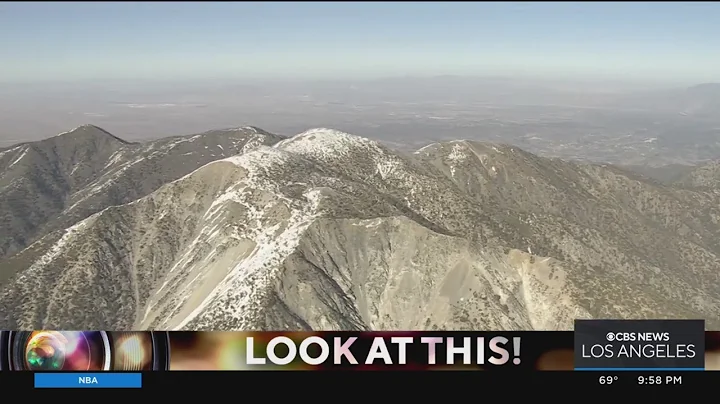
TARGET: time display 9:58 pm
(659,380)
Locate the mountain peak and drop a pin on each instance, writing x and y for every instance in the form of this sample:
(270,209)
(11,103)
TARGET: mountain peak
(245,129)
(89,131)
(326,142)
(332,135)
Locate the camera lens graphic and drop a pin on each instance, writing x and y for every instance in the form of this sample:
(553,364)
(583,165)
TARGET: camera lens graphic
(46,351)
(62,351)
(84,351)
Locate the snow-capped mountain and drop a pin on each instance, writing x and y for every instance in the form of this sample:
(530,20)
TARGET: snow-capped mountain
(326,230)
(51,184)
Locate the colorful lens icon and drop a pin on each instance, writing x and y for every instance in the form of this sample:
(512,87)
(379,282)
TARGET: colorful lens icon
(62,351)
(84,350)
(46,351)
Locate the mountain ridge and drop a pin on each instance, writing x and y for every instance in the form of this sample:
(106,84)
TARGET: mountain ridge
(327,230)
(87,169)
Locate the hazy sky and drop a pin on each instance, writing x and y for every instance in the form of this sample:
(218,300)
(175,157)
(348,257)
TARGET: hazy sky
(70,41)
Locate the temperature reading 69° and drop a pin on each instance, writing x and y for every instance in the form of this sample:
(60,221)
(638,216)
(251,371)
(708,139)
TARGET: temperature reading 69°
(607,379)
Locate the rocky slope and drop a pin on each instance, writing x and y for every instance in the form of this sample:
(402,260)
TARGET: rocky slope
(51,184)
(705,176)
(327,230)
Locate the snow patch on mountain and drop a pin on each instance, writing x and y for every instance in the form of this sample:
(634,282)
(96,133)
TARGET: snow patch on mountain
(8,151)
(71,130)
(57,249)
(259,161)
(458,154)
(323,142)
(102,183)
(18,158)
(234,299)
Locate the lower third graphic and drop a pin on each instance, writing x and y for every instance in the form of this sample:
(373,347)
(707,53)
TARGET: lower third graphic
(640,345)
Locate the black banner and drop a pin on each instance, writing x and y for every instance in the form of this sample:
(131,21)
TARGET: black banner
(375,384)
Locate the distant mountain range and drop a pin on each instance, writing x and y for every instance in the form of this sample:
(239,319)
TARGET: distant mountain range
(702,100)
(242,229)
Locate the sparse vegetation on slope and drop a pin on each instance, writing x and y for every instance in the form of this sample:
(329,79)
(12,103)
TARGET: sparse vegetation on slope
(332,231)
